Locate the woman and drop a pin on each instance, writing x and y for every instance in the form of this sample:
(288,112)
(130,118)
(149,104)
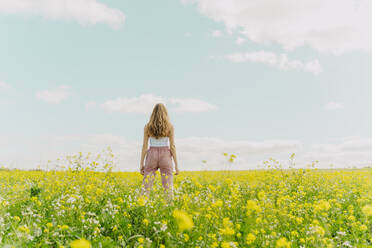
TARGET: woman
(160,132)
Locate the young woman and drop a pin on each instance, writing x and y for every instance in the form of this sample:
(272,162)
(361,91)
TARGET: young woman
(160,132)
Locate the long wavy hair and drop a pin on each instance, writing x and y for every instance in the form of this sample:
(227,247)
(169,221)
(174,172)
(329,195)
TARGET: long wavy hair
(159,124)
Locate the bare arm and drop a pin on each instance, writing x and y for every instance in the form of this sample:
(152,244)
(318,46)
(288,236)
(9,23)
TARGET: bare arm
(173,149)
(144,148)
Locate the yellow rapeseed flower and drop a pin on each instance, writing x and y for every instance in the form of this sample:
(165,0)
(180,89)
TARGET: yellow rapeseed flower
(282,242)
(367,210)
(80,243)
(64,227)
(145,221)
(186,237)
(225,244)
(322,205)
(250,238)
(217,204)
(363,228)
(184,221)
(319,230)
(261,195)
(141,201)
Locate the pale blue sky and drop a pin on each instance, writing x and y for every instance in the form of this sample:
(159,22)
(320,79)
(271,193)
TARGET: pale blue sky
(167,49)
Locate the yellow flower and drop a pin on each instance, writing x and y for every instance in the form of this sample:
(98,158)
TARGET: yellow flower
(351,218)
(319,230)
(294,233)
(99,191)
(250,238)
(228,181)
(64,227)
(367,210)
(186,237)
(363,228)
(184,221)
(81,243)
(162,246)
(141,201)
(261,195)
(322,205)
(225,244)
(227,230)
(140,240)
(217,204)
(258,220)
(299,220)
(145,221)
(282,242)
(24,229)
(237,226)
(214,244)
(252,206)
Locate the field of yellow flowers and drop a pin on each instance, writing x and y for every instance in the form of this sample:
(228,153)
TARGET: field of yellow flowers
(259,208)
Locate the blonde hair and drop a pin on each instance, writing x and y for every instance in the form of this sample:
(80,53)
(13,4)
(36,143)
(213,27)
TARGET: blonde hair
(159,124)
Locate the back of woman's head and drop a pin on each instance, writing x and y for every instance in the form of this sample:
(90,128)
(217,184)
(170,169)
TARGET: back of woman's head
(159,124)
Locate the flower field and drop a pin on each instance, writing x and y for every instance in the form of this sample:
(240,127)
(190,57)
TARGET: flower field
(258,208)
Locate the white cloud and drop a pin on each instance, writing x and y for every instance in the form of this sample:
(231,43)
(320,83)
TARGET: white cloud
(28,152)
(4,85)
(334,106)
(82,11)
(142,104)
(191,105)
(280,61)
(240,40)
(54,96)
(333,26)
(145,103)
(217,33)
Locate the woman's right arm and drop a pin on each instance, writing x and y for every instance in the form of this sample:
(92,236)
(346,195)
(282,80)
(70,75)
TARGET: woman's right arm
(144,149)
(173,149)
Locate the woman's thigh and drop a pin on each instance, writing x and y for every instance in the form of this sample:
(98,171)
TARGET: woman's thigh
(165,162)
(151,161)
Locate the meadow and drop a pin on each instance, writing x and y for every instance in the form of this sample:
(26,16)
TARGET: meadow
(80,206)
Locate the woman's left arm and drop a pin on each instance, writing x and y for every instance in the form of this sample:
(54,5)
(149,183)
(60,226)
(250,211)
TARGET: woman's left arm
(144,150)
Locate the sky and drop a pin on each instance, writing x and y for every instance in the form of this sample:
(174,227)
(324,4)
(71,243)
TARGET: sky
(256,79)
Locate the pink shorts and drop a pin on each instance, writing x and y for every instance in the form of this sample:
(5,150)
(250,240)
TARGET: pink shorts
(159,157)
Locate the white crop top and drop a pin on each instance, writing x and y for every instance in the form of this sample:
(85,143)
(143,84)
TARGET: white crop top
(162,141)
